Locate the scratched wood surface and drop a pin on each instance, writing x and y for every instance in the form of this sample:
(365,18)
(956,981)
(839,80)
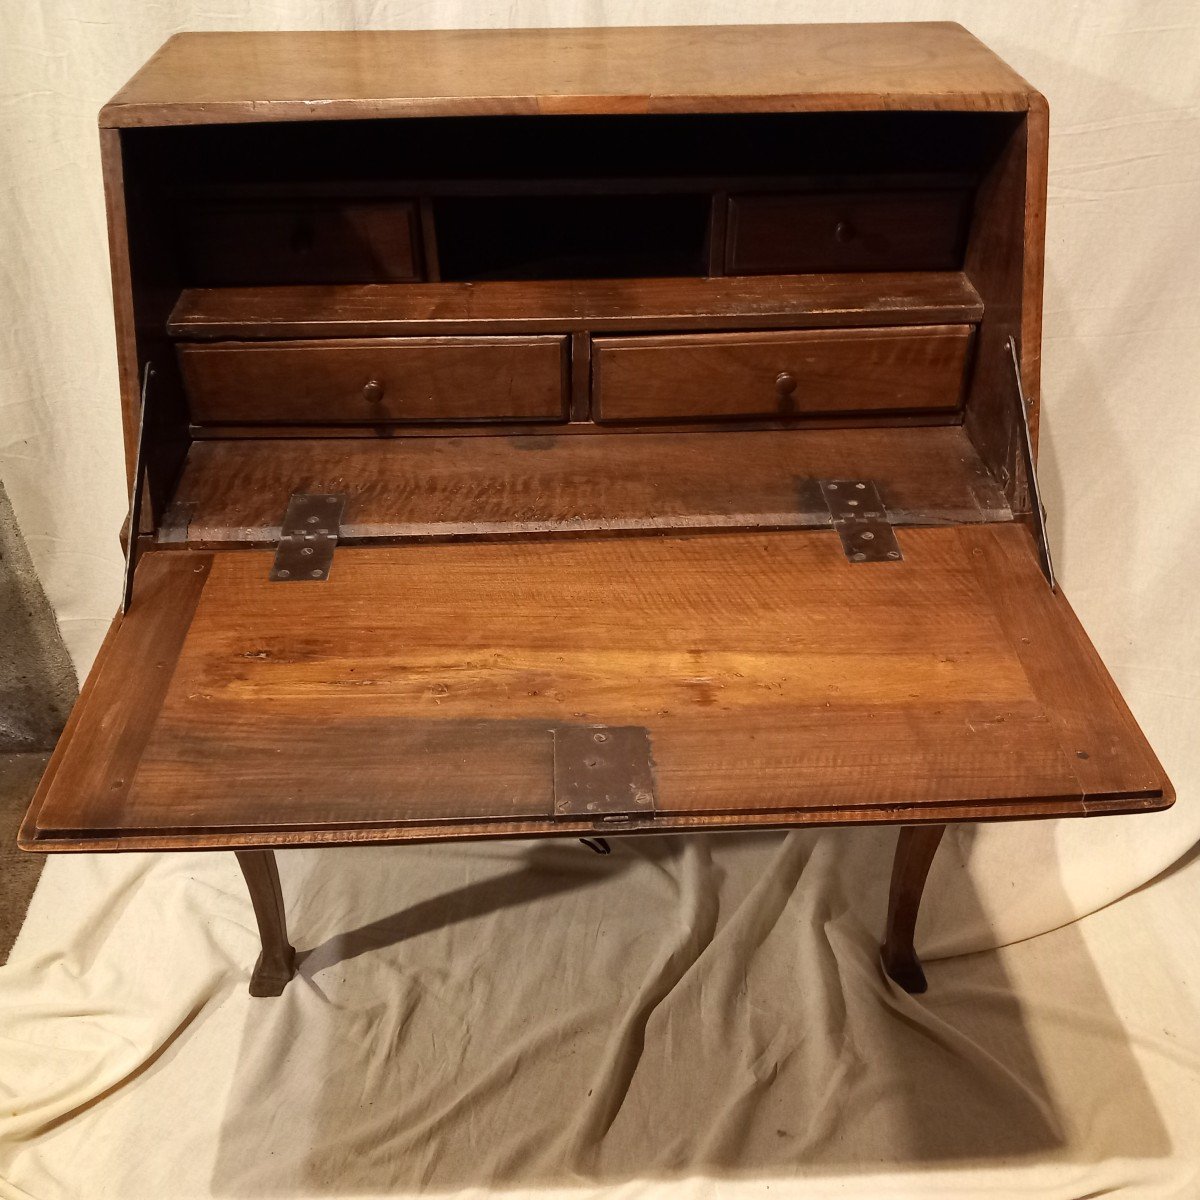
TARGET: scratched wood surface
(570,305)
(414,693)
(235,492)
(235,77)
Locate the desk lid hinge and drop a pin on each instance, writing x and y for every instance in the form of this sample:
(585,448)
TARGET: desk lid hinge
(861,520)
(307,537)
(603,773)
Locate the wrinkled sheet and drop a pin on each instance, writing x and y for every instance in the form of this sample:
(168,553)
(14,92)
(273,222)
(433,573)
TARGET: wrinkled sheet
(690,1017)
(1120,437)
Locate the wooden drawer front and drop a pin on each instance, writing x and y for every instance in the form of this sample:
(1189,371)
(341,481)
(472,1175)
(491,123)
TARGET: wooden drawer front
(302,241)
(378,380)
(847,231)
(791,374)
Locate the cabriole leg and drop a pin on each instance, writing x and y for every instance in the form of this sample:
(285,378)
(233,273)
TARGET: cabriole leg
(914,853)
(277,962)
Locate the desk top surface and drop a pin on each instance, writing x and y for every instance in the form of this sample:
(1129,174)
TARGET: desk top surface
(213,78)
(422,692)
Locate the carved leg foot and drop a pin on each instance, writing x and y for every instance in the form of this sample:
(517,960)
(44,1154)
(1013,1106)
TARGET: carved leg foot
(914,853)
(277,962)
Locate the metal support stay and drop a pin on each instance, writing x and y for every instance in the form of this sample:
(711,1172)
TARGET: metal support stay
(1035,493)
(133,536)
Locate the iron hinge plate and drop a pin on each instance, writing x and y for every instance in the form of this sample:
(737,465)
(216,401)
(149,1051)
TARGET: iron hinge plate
(307,538)
(861,520)
(603,772)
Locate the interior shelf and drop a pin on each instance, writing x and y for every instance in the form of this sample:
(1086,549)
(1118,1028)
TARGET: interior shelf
(234,492)
(736,302)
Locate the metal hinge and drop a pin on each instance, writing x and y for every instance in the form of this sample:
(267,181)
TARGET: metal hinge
(1035,493)
(603,772)
(861,520)
(307,537)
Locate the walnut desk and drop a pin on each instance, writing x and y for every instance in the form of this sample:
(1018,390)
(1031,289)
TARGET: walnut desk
(565,433)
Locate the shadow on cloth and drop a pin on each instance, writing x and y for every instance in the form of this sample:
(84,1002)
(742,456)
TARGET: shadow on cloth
(537,1015)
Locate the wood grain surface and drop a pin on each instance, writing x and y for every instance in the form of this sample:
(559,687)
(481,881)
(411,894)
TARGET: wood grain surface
(1005,259)
(234,492)
(789,374)
(571,305)
(207,78)
(378,381)
(418,686)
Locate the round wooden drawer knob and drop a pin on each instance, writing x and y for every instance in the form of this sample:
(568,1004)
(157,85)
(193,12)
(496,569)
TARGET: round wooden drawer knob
(785,383)
(372,391)
(844,232)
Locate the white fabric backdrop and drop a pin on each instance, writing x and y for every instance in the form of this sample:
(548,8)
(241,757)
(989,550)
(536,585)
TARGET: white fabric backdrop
(1120,426)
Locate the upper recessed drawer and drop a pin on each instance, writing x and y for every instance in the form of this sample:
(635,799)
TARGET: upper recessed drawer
(232,242)
(847,231)
(378,380)
(798,373)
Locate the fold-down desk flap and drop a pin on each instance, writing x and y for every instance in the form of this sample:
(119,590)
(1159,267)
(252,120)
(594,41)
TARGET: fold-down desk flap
(417,691)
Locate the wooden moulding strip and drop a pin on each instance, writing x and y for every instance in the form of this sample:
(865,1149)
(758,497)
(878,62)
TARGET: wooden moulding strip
(567,306)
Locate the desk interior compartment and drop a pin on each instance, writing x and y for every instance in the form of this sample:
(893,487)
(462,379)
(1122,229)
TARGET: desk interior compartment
(917,229)
(295,239)
(599,236)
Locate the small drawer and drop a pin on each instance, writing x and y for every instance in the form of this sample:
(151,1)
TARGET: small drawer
(247,242)
(377,380)
(792,233)
(692,377)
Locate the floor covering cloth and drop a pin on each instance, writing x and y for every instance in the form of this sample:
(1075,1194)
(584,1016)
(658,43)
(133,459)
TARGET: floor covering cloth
(698,1016)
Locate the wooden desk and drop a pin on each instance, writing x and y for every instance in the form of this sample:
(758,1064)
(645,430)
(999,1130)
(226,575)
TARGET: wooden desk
(569,433)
